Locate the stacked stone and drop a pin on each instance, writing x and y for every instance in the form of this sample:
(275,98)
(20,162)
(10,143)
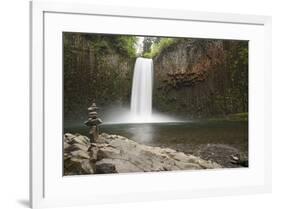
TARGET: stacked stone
(93,122)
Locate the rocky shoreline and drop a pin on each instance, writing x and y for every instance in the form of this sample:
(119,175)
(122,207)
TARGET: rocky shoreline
(117,154)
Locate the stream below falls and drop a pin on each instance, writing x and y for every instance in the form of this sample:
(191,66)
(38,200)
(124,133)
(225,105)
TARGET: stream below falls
(214,140)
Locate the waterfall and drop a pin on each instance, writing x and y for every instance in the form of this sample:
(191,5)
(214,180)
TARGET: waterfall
(141,98)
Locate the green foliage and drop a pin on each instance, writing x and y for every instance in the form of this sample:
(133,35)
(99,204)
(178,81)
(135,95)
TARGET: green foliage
(158,47)
(243,116)
(147,43)
(238,66)
(123,45)
(126,45)
(234,97)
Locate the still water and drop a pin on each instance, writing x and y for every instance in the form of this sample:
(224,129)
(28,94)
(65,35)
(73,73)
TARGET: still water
(187,137)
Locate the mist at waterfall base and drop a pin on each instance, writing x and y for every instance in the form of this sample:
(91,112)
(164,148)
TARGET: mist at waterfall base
(141,110)
(123,115)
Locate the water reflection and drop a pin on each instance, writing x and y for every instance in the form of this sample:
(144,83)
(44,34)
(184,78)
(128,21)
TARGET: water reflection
(186,137)
(144,133)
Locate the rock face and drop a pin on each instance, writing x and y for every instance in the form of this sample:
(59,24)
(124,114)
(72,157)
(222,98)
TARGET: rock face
(192,78)
(117,154)
(202,78)
(92,69)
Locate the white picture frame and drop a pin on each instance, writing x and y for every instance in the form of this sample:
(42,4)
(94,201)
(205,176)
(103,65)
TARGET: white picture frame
(48,187)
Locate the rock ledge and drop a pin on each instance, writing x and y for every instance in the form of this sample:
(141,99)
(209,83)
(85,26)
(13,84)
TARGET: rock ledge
(117,154)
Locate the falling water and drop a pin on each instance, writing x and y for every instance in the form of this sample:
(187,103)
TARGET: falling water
(141,100)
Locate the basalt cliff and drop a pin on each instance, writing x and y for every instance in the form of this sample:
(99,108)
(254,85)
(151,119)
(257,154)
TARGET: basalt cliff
(202,78)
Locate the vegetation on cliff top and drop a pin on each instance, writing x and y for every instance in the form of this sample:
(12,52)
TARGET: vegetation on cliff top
(158,46)
(123,45)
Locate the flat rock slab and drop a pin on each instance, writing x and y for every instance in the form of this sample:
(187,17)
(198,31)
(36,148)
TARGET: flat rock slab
(117,154)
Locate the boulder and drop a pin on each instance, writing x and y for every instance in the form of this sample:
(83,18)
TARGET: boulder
(78,166)
(79,139)
(102,168)
(80,154)
(75,146)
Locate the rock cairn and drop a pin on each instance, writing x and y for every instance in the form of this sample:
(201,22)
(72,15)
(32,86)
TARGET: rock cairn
(93,122)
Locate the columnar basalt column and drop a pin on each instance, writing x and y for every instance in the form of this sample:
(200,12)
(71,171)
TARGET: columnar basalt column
(93,122)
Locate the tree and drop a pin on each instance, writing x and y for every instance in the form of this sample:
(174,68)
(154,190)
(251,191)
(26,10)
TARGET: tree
(147,43)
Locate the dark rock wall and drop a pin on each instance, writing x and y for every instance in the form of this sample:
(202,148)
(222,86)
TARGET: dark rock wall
(202,78)
(192,77)
(93,71)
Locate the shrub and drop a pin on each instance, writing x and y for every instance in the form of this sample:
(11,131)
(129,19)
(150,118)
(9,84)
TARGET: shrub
(157,48)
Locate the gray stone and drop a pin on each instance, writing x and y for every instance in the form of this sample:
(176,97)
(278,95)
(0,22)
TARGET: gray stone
(115,153)
(93,114)
(219,153)
(235,158)
(93,122)
(80,154)
(76,139)
(78,166)
(75,146)
(146,158)
(103,168)
(92,109)
(94,153)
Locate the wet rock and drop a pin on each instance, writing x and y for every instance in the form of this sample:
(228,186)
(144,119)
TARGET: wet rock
(224,155)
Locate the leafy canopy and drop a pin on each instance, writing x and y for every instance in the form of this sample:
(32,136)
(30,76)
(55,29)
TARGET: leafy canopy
(159,46)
